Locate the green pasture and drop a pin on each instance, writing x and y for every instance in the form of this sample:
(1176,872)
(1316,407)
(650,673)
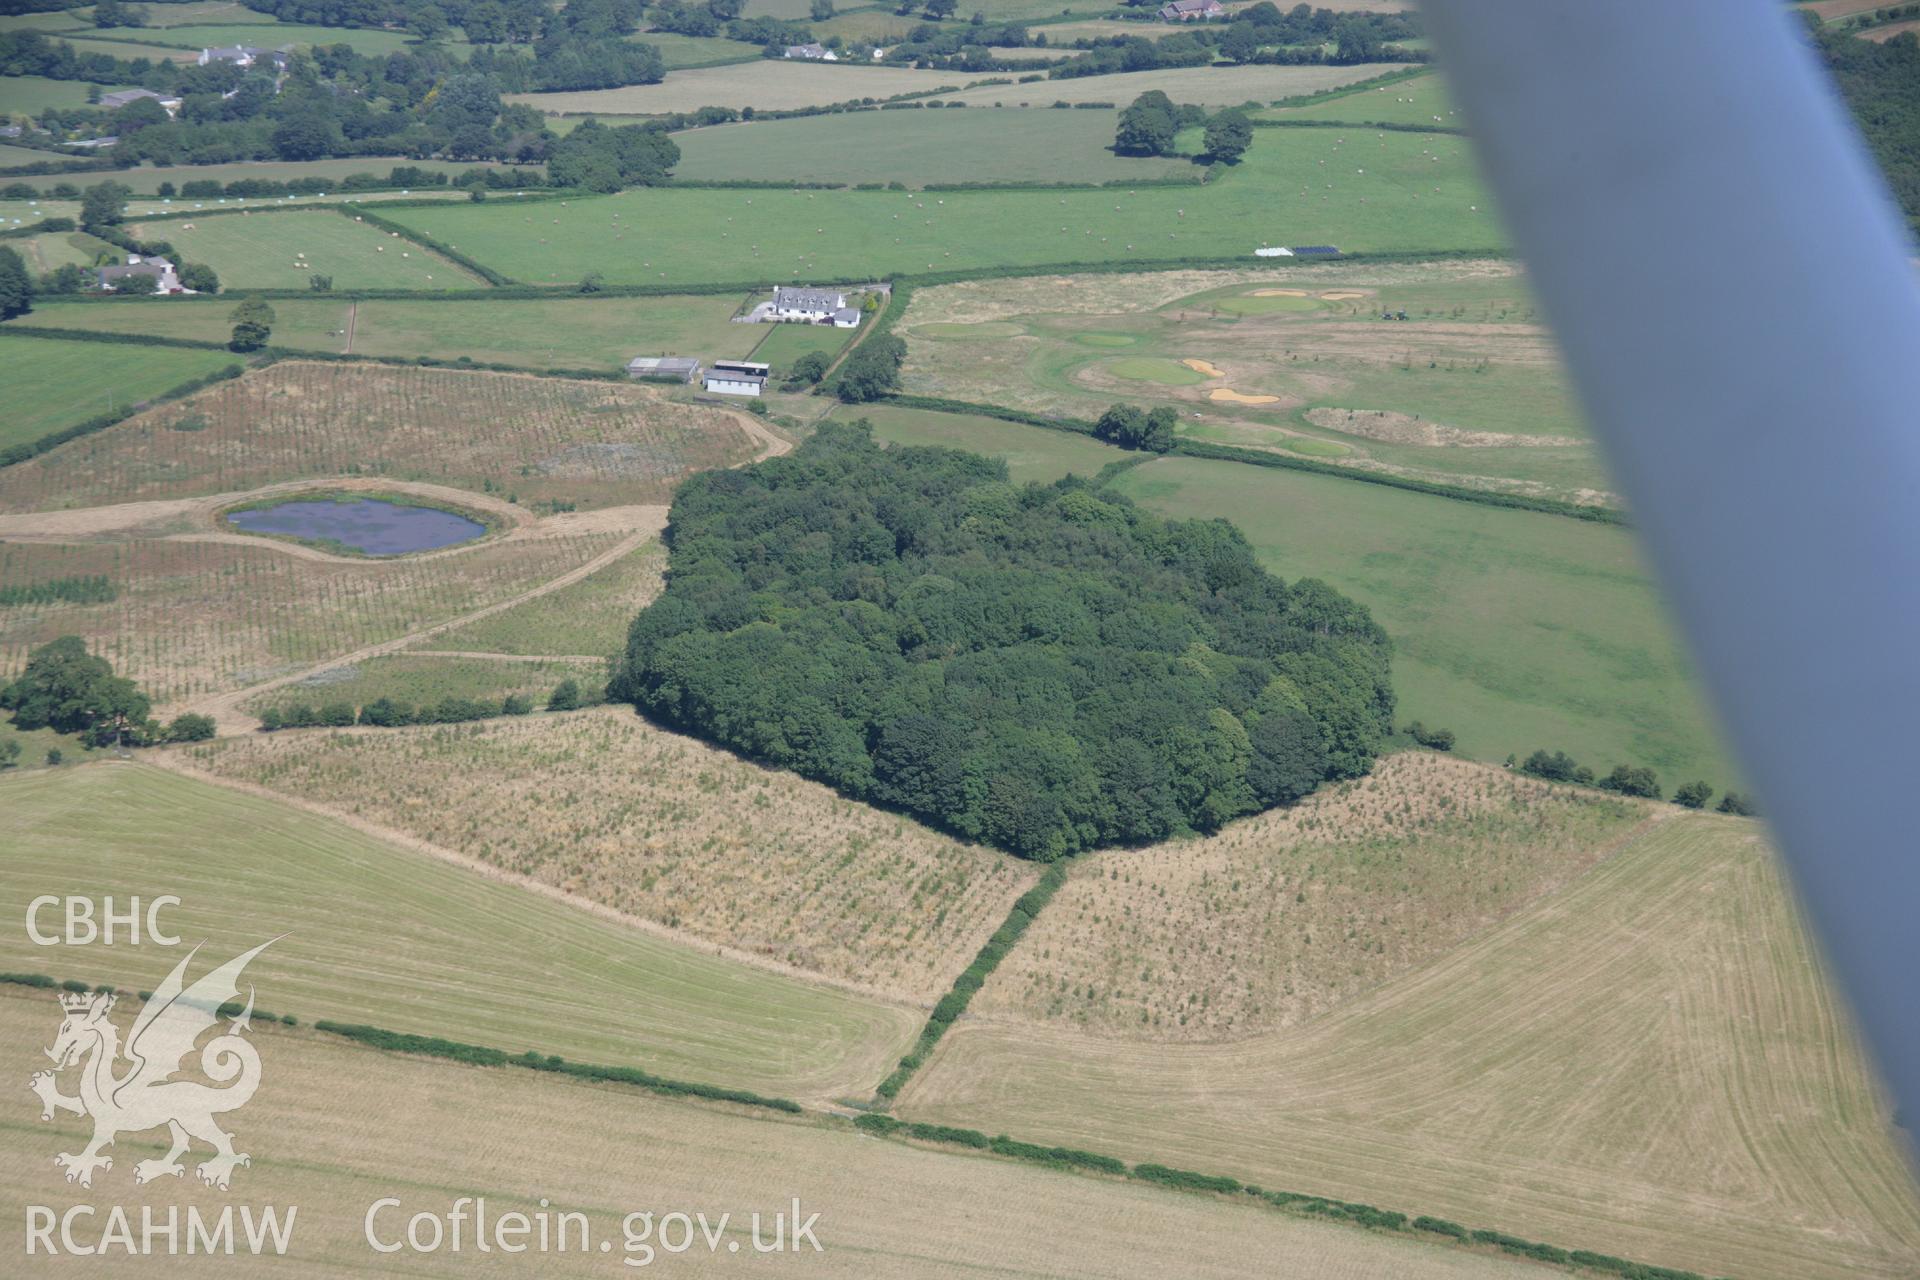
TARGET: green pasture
(1031,453)
(785,343)
(1421,100)
(1245,304)
(24,213)
(212,36)
(48,385)
(918,146)
(1416,194)
(1097,339)
(681,53)
(1515,630)
(570,333)
(30,95)
(371,932)
(269,249)
(44,252)
(12,157)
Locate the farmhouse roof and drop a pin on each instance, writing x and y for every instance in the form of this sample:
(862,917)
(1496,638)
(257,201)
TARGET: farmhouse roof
(847,315)
(1189,8)
(123,97)
(805,299)
(806,51)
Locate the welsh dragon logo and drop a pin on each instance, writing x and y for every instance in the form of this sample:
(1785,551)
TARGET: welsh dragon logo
(144,1095)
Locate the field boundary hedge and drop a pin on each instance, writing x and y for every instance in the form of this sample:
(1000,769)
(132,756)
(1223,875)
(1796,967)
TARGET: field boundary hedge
(1072,1160)
(1183,447)
(482,1056)
(974,976)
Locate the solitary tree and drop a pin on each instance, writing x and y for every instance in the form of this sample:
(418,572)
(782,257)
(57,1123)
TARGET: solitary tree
(252,325)
(566,696)
(1147,127)
(65,688)
(104,204)
(16,286)
(1228,136)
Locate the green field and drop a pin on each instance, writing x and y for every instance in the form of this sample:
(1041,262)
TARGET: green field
(377,933)
(785,343)
(12,156)
(1029,452)
(1421,100)
(269,249)
(1513,629)
(424,679)
(918,147)
(196,37)
(572,333)
(30,95)
(1416,193)
(681,53)
(43,253)
(57,384)
(24,213)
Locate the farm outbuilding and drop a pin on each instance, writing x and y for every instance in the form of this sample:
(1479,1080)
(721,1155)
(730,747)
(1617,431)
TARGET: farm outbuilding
(685,368)
(737,377)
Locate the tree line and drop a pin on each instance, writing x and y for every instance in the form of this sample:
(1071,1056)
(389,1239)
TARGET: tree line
(1041,668)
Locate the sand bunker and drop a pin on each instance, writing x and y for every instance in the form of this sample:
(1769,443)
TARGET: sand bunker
(1204,366)
(1279,293)
(1229,396)
(1342,295)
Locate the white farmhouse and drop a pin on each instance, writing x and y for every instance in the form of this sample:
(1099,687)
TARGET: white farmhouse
(815,306)
(140,274)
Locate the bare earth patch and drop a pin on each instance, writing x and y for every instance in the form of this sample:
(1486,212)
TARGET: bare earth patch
(1202,366)
(605,807)
(1227,395)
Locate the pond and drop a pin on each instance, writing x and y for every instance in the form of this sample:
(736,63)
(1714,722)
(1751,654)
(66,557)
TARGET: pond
(370,526)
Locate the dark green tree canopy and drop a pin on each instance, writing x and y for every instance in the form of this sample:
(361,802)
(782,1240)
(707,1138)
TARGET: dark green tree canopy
(68,689)
(1043,668)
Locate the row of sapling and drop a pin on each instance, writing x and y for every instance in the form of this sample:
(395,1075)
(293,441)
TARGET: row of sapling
(1626,780)
(391,713)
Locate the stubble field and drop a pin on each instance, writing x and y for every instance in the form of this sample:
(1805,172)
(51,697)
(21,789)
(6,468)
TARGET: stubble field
(380,933)
(609,808)
(336,1127)
(1647,1063)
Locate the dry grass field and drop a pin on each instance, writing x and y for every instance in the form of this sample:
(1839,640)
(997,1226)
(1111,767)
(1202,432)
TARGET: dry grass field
(1646,1063)
(336,1127)
(591,616)
(532,440)
(1210,87)
(1468,390)
(1281,917)
(606,807)
(377,931)
(195,618)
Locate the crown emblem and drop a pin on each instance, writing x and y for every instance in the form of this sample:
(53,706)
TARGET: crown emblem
(80,1001)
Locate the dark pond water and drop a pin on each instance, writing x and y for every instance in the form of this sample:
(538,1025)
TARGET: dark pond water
(368,525)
